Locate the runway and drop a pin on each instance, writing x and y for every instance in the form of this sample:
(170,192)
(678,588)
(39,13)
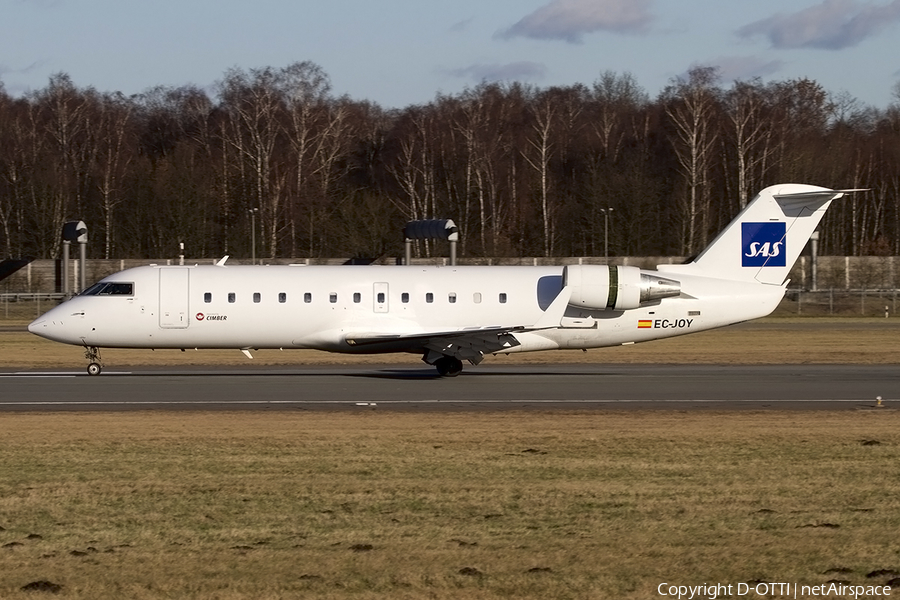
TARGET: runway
(491,387)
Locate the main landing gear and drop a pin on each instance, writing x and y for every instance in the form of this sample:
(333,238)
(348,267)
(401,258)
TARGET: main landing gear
(448,366)
(92,353)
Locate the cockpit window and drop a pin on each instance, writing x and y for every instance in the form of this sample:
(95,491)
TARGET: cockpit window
(110,288)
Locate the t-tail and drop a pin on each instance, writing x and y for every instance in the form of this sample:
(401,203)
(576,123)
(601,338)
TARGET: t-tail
(764,240)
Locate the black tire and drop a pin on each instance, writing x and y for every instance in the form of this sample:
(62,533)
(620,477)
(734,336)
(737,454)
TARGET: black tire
(94,368)
(448,366)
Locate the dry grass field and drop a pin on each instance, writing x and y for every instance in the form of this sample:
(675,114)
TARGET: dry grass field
(387,505)
(598,504)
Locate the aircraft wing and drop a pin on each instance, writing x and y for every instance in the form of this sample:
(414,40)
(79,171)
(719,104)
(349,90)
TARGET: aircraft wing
(466,344)
(471,343)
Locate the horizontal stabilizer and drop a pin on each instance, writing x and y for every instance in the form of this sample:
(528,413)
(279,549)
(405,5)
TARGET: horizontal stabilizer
(793,204)
(11,265)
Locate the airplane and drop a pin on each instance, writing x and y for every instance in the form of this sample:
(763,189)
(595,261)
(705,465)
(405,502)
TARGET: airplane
(447,314)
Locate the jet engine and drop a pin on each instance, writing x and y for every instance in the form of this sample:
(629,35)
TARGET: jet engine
(599,287)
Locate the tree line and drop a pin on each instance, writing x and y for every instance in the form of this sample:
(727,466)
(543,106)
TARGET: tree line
(522,170)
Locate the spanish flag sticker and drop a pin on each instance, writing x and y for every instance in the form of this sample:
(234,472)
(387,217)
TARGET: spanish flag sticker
(645,324)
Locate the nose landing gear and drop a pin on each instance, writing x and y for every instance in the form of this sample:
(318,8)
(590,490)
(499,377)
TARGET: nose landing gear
(92,353)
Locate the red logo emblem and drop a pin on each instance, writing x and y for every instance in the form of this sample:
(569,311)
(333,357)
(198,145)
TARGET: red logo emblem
(199,316)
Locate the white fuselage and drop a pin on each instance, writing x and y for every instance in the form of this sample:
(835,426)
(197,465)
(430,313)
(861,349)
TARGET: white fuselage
(320,307)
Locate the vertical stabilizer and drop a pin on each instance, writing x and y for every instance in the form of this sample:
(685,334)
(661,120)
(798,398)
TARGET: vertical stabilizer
(765,239)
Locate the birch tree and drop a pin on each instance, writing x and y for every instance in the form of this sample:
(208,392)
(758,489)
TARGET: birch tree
(254,102)
(537,154)
(690,106)
(112,159)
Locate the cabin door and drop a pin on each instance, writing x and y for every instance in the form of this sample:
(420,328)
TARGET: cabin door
(381,297)
(173,297)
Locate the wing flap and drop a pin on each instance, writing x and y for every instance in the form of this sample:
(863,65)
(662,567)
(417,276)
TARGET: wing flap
(364,339)
(471,343)
(473,347)
(467,344)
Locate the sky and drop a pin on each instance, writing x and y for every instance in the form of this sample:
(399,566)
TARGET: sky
(399,53)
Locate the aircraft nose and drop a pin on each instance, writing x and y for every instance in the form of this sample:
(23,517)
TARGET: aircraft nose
(36,325)
(44,327)
(55,325)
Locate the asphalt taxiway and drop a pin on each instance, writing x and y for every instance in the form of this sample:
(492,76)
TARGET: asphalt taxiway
(487,387)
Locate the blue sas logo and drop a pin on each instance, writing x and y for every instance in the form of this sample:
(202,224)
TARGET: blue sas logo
(763,245)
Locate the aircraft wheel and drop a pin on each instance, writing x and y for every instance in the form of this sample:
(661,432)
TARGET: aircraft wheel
(94,369)
(448,366)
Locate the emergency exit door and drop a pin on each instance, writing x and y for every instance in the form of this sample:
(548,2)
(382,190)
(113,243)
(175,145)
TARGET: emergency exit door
(381,297)
(174,284)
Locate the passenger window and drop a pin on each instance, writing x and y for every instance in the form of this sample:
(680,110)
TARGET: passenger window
(332,297)
(380,297)
(307,297)
(452,297)
(231,297)
(207,297)
(404,297)
(477,297)
(502,297)
(256,297)
(282,297)
(357,297)
(429,297)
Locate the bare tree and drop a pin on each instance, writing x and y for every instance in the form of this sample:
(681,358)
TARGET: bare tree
(616,97)
(750,134)
(112,159)
(690,105)
(415,171)
(66,114)
(10,169)
(538,155)
(618,120)
(254,100)
(310,123)
(509,163)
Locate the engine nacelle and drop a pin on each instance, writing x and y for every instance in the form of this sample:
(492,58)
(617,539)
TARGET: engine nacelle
(599,287)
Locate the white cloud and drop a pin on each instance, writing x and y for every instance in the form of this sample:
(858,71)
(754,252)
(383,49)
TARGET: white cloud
(739,68)
(462,26)
(830,25)
(514,71)
(6,70)
(570,20)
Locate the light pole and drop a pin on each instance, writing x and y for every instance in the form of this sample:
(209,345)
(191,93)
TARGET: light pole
(814,242)
(253,212)
(606,212)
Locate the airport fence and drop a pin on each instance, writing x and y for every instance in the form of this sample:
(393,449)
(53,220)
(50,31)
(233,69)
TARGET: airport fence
(25,307)
(838,303)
